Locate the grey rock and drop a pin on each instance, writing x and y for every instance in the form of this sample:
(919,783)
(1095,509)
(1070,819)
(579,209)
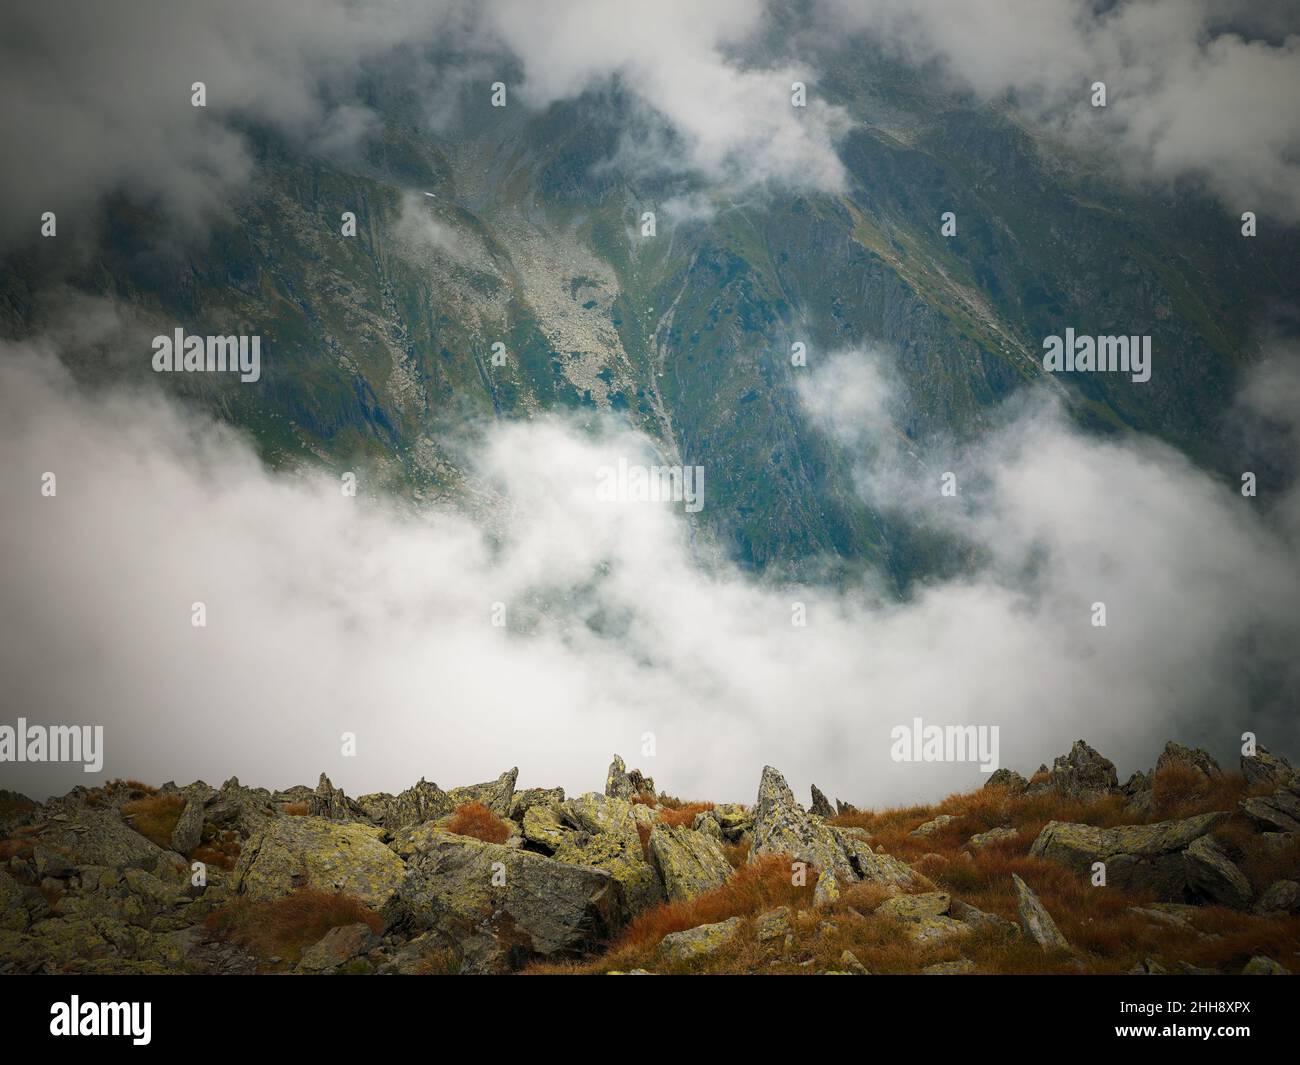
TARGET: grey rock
(1280,897)
(699,942)
(497,795)
(820,804)
(1212,875)
(1007,778)
(1264,767)
(1083,773)
(1035,921)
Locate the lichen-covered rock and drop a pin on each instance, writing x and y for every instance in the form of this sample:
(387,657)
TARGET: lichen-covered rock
(423,801)
(13,911)
(932,826)
(100,837)
(329,802)
(497,907)
(315,853)
(1280,897)
(1007,778)
(496,795)
(699,942)
(924,916)
(1260,965)
(528,798)
(689,863)
(993,835)
(188,832)
(726,821)
(1279,811)
(1083,773)
(1137,857)
(624,783)
(1264,767)
(605,836)
(543,828)
(1035,921)
(977,918)
(774,924)
(1196,759)
(338,946)
(1212,875)
(244,810)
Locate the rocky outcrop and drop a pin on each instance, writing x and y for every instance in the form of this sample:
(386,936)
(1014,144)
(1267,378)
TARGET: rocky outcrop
(497,907)
(337,947)
(188,832)
(1191,758)
(98,837)
(315,853)
(329,802)
(782,827)
(423,801)
(496,795)
(1035,921)
(1137,857)
(993,835)
(924,917)
(1279,812)
(530,797)
(622,783)
(1007,778)
(1280,897)
(604,834)
(1083,774)
(689,863)
(1264,767)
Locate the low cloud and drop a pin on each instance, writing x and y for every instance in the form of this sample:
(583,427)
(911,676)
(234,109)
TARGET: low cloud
(329,614)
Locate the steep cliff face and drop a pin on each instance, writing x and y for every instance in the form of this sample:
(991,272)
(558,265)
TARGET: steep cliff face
(381,349)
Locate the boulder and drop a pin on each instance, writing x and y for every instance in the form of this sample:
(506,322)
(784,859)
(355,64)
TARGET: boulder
(932,826)
(338,946)
(1137,857)
(774,924)
(1212,875)
(924,916)
(977,918)
(497,907)
(1280,897)
(1279,811)
(1264,767)
(188,832)
(842,808)
(622,783)
(1193,758)
(329,802)
(1260,965)
(605,835)
(245,811)
(99,837)
(993,835)
(497,795)
(960,967)
(543,828)
(315,853)
(528,798)
(699,942)
(1035,921)
(689,863)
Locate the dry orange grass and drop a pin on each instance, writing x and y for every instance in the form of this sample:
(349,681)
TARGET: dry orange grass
(296,809)
(155,817)
(284,927)
(683,814)
(476,820)
(219,847)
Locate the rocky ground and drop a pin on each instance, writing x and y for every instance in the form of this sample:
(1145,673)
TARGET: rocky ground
(1186,869)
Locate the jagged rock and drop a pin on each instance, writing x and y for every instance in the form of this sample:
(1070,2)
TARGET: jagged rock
(689,863)
(619,783)
(932,826)
(1279,811)
(244,810)
(1260,965)
(1264,767)
(188,832)
(497,907)
(338,946)
(782,827)
(820,804)
(1035,921)
(849,962)
(699,942)
(1280,897)
(528,798)
(949,968)
(1137,857)
(726,821)
(605,836)
(1007,778)
(707,823)
(1212,875)
(496,795)
(774,924)
(993,835)
(329,802)
(423,801)
(1083,773)
(842,808)
(1139,789)
(315,853)
(1194,758)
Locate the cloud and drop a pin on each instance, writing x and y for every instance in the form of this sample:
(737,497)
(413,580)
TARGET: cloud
(1197,89)
(329,614)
